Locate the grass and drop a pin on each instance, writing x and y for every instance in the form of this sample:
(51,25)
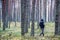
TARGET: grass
(16,32)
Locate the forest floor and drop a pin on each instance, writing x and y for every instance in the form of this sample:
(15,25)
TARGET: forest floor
(14,33)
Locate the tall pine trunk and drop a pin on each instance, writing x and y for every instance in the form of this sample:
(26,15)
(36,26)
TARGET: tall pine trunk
(37,12)
(0,17)
(32,18)
(23,15)
(57,19)
(27,15)
(4,14)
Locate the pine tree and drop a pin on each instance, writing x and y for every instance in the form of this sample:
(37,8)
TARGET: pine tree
(4,12)
(57,19)
(33,12)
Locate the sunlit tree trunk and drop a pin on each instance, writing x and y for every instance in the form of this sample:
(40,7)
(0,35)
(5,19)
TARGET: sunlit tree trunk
(45,10)
(40,10)
(19,10)
(52,10)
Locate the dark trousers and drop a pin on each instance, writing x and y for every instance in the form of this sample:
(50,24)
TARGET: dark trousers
(42,33)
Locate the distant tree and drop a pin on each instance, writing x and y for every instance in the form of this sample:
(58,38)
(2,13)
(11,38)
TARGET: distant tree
(0,17)
(40,10)
(45,1)
(37,12)
(19,10)
(15,12)
(10,12)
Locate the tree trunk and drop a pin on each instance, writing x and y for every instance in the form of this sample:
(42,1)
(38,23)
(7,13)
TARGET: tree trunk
(4,14)
(57,19)
(33,12)
(15,12)
(23,15)
(45,10)
(27,15)
(37,12)
(28,11)
(0,17)
(40,11)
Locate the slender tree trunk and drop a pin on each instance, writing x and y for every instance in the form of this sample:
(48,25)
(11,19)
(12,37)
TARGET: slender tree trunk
(29,13)
(35,16)
(15,11)
(19,10)
(0,22)
(37,12)
(9,12)
(6,13)
(40,9)
(52,11)
(45,10)
(0,17)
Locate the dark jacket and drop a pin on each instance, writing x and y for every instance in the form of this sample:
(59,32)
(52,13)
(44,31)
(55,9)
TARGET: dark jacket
(41,24)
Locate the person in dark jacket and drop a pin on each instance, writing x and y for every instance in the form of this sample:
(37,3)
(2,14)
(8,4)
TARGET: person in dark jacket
(41,24)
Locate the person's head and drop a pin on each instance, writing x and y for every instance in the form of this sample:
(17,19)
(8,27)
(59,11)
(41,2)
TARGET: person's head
(42,20)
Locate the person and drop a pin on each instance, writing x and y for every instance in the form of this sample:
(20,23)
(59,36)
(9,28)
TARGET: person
(41,24)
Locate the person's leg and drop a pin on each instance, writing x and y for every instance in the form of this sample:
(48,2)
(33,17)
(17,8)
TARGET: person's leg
(43,31)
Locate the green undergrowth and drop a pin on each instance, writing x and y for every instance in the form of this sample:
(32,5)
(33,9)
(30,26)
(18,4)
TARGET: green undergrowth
(14,33)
